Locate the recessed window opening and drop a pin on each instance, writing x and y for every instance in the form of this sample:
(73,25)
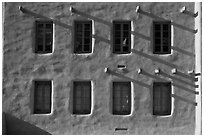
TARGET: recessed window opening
(42,97)
(83,36)
(162,37)
(44,37)
(82,97)
(121,98)
(121,37)
(162,98)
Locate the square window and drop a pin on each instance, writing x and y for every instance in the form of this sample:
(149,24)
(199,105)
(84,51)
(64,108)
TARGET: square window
(162,37)
(82,97)
(161,98)
(121,98)
(44,35)
(42,97)
(121,37)
(83,36)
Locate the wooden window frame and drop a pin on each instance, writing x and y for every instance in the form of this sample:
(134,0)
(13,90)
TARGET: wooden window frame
(121,22)
(84,37)
(121,97)
(84,99)
(161,37)
(163,110)
(43,37)
(44,83)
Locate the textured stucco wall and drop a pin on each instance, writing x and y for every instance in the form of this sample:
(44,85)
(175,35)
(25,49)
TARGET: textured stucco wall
(21,66)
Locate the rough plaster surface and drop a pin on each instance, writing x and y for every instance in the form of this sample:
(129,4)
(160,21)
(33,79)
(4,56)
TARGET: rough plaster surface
(21,66)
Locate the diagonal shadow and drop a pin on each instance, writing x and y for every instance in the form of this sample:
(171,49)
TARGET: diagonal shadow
(90,17)
(172,23)
(127,78)
(154,58)
(26,11)
(184,99)
(15,126)
(183,51)
(161,79)
(185,76)
(176,79)
(141,35)
(99,38)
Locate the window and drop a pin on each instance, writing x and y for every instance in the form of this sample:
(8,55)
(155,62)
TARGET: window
(44,36)
(82,97)
(42,97)
(121,37)
(121,98)
(161,98)
(83,36)
(162,37)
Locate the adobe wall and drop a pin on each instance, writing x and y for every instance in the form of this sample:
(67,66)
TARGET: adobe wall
(21,66)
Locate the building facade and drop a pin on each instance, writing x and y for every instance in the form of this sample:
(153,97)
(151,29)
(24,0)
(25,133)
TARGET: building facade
(100,68)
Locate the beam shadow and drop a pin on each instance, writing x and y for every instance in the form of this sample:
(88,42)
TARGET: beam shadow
(176,79)
(161,79)
(90,17)
(185,76)
(16,126)
(154,58)
(184,99)
(26,11)
(172,23)
(99,38)
(127,78)
(183,51)
(141,35)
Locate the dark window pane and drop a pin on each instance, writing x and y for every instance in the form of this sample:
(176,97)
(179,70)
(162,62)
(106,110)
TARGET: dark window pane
(87,27)
(48,48)
(117,26)
(165,48)
(165,27)
(87,34)
(117,41)
(125,33)
(83,36)
(117,47)
(117,34)
(86,48)
(48,26)
(42,97)
(157,34)
(157,27)
(40,26)
(126,26)
(87,41)
(40,48)
(157,49)
(126,49)
(157,41)
(161,98)
(121,37)
(44,32)
(165,34)
(82,97)
(121,98)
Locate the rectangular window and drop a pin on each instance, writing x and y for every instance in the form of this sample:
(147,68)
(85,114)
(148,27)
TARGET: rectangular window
(83,36)
(161,98)
(121,37)
(82,97)
(121,98)
(44,37)
(42,97)
(162,37)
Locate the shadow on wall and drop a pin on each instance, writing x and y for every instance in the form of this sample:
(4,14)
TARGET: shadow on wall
(14,126)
